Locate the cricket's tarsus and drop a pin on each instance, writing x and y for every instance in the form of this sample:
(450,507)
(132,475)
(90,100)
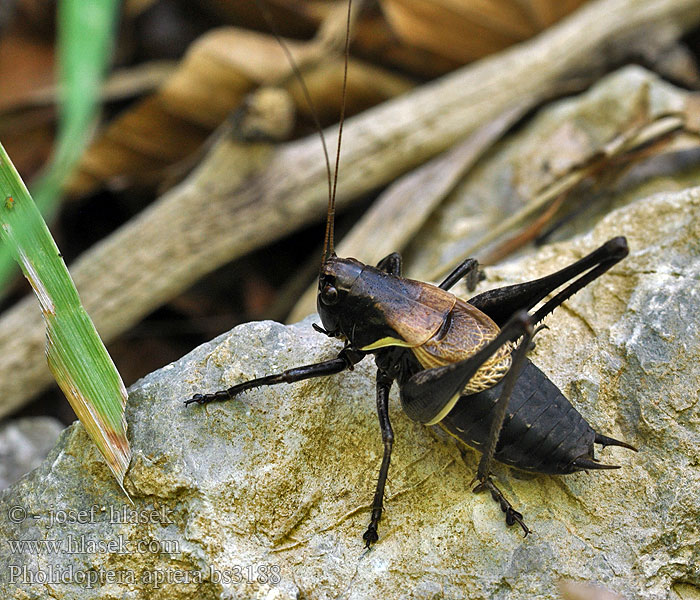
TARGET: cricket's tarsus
(457,363)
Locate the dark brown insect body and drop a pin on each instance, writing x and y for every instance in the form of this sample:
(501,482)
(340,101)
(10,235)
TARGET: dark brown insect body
(542,432)
(456,362)
(414,329)
(412,326)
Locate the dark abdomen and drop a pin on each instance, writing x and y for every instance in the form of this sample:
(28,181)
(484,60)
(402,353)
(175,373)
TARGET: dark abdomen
(542,431)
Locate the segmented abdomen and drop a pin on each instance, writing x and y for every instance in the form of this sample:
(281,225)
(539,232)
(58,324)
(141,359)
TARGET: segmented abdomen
(542,431)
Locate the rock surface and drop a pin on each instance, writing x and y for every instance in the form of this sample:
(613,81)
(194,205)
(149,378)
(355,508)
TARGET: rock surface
(268,496)
(24,443)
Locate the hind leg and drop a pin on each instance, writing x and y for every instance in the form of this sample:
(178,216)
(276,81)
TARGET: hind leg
(500,304)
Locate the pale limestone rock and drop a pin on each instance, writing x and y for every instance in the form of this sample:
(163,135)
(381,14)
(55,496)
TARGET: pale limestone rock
(280,481)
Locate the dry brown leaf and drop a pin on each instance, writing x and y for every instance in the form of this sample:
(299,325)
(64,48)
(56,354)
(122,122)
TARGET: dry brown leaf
(26,64)
(367,85)
(294,18)
(219,70)
(464,31)
(376,39)
(122,84)
(28,137)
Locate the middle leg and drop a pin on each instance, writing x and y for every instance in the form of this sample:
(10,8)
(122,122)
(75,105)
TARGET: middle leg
(392,264)
(469,268)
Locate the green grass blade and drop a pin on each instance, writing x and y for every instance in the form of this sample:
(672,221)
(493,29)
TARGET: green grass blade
(76,355)
(85,34)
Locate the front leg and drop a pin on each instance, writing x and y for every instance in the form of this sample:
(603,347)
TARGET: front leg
(345,360)
(384,382)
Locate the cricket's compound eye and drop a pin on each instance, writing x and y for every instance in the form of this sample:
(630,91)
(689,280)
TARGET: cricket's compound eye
(329,294)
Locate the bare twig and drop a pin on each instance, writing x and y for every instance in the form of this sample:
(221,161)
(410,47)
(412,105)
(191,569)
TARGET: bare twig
(620,146)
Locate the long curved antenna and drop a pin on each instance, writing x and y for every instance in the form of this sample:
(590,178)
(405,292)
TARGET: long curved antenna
(328,248)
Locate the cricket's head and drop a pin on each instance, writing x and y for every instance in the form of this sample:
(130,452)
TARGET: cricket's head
(336,278)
